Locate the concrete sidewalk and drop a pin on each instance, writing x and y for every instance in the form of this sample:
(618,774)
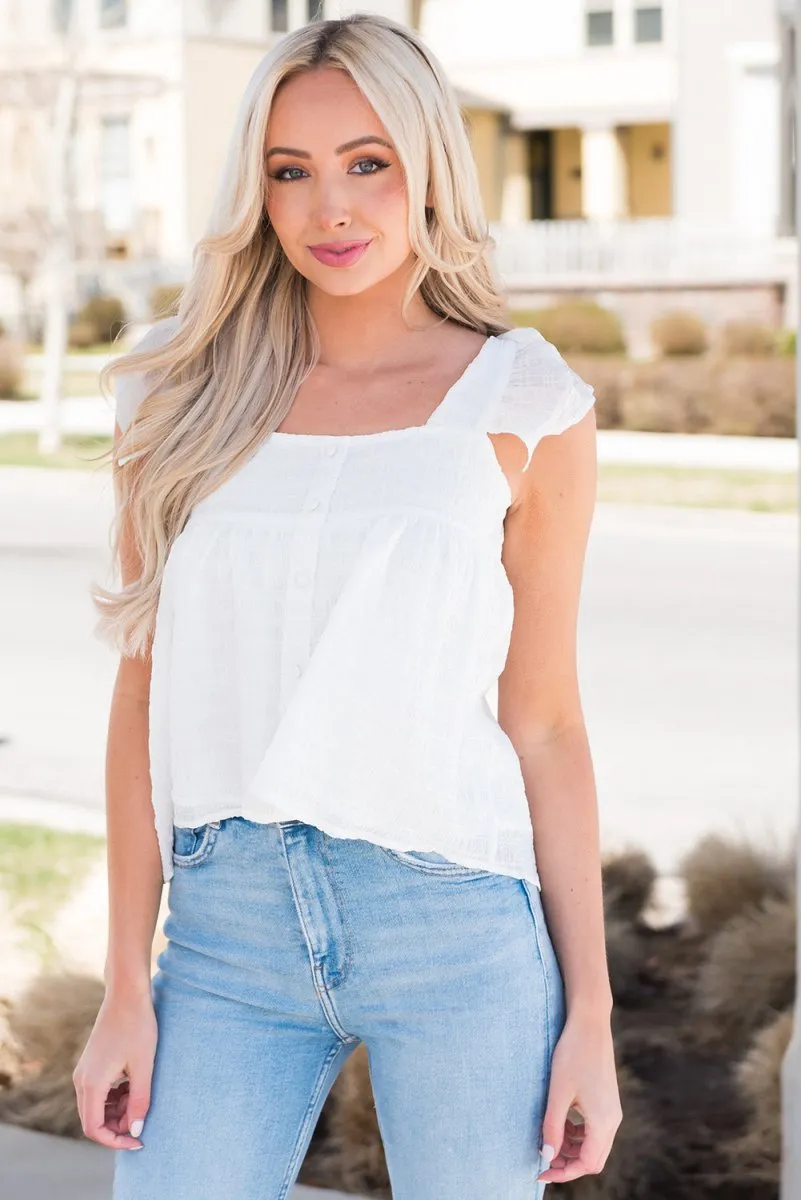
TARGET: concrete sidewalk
(94,415)
(40,1166)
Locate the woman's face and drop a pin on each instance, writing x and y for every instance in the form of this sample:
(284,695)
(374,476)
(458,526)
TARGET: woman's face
(321,190)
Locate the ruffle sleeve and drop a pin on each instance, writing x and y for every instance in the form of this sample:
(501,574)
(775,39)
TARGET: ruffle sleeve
(543,395)
(130,388)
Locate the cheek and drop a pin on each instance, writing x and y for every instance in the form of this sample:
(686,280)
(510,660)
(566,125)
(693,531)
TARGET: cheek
(389,206)
(280,209)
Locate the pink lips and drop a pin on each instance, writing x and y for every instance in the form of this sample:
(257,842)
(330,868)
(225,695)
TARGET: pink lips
(339,254)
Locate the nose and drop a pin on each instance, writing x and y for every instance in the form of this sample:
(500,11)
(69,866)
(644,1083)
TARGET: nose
(330,209)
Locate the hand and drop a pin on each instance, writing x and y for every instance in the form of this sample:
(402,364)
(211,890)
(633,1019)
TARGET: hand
(583,1078)
(112,1077)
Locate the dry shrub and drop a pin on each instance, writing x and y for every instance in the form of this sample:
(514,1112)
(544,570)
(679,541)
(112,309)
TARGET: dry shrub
(749,338)
(576,327)
(749,397)
(749,973)
(164,300)
(610,377)
(82,335)
(106,314)
(756,397)
(724,877)
(756,1153)
(752,397)
(12,367)
(628,880)
(669,396)
(678,334)
(48,1027)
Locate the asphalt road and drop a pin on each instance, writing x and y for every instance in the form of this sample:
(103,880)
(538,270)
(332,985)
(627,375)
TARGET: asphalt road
(687,656)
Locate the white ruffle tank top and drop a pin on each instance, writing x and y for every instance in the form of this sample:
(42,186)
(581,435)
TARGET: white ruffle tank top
(333,620)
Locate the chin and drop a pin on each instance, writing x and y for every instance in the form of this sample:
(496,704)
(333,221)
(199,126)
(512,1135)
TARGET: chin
(344,283)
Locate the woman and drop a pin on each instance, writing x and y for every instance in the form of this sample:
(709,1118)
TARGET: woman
(335,541)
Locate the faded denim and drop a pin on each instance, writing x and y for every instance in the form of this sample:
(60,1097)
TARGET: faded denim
(287,947)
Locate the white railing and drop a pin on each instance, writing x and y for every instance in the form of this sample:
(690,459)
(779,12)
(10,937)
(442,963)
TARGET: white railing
(636,250)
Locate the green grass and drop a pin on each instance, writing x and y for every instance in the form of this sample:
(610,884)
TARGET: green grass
(714,487)
(74,383)
(39,870)
(80,451)
(755,491)
(99,348)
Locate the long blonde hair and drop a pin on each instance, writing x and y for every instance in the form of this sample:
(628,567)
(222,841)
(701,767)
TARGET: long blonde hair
(243,341)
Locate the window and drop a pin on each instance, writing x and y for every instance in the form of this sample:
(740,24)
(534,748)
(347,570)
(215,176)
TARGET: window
(215,10)
(62,14)
(648,24)
(279,16)
(314,10)
(115,173)
(600,28)
(113,14)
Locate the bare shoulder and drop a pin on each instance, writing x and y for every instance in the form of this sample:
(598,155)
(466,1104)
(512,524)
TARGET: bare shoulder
(450,345)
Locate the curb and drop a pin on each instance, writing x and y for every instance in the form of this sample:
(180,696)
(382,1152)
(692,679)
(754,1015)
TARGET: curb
(37,1166)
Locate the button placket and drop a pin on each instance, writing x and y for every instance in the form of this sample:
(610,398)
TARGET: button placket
(303,552)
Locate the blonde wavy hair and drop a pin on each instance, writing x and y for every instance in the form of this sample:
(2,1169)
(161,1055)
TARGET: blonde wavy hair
(243,340)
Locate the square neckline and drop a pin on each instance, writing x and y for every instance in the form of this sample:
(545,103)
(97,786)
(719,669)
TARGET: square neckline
(382,433)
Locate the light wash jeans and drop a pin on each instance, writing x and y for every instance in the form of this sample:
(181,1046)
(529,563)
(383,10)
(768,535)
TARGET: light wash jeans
(287,947)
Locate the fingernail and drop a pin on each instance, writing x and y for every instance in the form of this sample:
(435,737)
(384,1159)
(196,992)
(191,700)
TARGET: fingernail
(136,1147)
(547,1153)
(136,1128)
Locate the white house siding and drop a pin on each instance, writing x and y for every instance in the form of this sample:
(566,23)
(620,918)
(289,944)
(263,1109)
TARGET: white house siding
(727,113)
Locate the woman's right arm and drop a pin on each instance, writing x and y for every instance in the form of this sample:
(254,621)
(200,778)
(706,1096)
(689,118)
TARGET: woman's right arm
(123,1040)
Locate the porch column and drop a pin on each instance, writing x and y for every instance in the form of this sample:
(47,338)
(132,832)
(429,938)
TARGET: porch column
(603,173)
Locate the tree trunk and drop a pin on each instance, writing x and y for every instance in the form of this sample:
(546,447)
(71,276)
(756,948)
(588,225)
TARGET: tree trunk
(59,269)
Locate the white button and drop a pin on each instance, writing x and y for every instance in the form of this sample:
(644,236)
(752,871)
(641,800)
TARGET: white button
(311,504)
(331,449)
(302,578)
(298,670)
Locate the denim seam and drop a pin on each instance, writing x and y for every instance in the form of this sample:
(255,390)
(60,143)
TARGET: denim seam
(293,1164)
(319,985)
(544,966)
(343,974)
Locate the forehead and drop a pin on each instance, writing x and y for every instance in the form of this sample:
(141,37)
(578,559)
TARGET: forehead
(318,101)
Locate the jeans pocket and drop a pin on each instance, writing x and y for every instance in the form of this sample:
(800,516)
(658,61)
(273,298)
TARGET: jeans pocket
(193,845)
(431,862)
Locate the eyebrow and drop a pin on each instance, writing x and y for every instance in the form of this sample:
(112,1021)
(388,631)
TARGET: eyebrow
(359,141)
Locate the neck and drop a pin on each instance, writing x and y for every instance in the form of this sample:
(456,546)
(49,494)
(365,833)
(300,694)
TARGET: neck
(368,328)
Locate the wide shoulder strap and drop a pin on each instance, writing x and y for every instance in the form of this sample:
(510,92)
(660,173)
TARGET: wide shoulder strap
(470,400)
(542,395)
(131,387)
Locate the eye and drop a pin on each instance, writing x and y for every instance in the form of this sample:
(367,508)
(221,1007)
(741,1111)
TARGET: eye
(279,175)
(378,163)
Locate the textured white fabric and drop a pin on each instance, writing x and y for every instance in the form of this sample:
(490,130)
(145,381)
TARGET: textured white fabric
(333,620)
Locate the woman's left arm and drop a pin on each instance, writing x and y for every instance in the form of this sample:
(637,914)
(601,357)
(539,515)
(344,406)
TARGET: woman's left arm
(539,707)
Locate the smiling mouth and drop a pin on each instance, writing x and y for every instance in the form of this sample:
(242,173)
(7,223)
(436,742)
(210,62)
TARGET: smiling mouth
(340,248)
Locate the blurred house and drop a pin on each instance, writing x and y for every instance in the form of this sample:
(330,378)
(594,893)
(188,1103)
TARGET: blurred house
(645,149)
(159,83)
(632,149)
